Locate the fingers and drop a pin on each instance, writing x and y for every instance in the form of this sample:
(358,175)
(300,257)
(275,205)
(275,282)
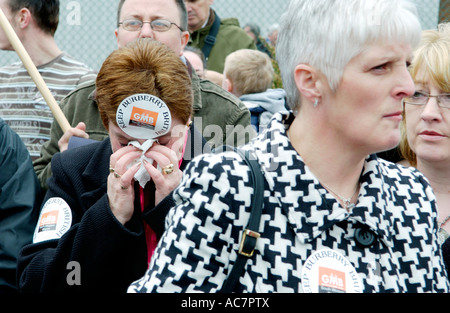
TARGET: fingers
(162,155)
(120,166)
(78,131)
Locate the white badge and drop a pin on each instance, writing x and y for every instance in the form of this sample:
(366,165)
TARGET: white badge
(54,221)
(327,271)
(144,116)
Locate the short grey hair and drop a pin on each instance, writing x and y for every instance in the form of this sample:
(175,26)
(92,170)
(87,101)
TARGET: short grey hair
(327,34)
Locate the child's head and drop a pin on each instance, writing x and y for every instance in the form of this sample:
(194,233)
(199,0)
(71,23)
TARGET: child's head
(247,71)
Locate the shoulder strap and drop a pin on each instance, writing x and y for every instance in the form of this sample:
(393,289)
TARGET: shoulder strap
(210,40)
(250,235)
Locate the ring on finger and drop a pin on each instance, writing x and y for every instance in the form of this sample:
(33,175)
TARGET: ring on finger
(123,187)
(111,170)
(168,169)
(117,175)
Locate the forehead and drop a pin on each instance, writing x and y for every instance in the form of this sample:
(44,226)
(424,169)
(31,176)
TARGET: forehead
(385,53)
(150,8)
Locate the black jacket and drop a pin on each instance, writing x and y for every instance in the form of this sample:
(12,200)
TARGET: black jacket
(20,197)
(110,255)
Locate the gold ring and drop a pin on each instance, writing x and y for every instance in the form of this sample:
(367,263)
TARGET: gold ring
(117,175)
(123,188)
(168,169)
(111,170)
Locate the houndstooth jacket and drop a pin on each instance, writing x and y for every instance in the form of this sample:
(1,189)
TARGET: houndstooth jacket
(299,218)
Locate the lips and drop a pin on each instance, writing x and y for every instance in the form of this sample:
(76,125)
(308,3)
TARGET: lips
(431,133)
(396,114)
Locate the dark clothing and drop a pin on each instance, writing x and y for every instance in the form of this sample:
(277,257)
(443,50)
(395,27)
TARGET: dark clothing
(110,255)
(19,203)
(446,255)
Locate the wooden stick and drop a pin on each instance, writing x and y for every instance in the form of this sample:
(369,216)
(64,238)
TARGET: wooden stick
(34,73)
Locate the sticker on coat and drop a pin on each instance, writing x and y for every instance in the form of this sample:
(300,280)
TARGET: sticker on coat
(54,221)
(327,271)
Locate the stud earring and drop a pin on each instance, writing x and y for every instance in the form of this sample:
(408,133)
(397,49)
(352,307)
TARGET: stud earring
(316,103)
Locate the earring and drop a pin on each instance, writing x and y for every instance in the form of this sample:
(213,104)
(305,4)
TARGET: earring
(316,103)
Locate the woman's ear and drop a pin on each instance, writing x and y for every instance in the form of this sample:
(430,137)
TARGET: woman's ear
(306,78)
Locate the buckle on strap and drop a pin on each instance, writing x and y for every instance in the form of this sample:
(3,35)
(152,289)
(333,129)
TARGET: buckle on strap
(248,242)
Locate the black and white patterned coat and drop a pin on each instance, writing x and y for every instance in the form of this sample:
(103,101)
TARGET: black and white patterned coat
(299,218)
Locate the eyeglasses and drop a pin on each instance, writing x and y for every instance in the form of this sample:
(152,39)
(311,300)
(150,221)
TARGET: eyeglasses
(157,25)
(422,98)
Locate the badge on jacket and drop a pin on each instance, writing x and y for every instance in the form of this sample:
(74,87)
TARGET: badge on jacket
(327,271)
(54,221)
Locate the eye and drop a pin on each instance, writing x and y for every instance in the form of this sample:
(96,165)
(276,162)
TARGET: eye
(382,67)
(419,95)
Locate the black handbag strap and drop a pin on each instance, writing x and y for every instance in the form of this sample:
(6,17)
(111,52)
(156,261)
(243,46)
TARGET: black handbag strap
(210,40)
(250,235)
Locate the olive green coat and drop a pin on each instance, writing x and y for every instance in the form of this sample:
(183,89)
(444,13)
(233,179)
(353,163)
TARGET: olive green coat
(229,39)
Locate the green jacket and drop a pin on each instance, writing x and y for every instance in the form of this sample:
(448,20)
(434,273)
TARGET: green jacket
(214,110)
(229,39)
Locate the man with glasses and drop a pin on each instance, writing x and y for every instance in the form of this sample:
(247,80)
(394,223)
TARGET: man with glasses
(220,116)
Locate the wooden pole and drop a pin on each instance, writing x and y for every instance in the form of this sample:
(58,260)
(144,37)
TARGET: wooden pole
(34,73)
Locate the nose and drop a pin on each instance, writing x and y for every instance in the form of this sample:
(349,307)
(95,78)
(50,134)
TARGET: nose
(146,31)
(431,110)
(406,87)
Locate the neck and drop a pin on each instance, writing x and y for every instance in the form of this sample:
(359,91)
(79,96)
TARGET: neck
(438,174)
(332,162)
(41,48)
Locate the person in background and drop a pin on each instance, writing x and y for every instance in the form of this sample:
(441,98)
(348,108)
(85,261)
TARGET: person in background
(254,32)
(273,34)
(21,104)
(20,200)
(248,74)
(114,194)
(196,59)
(425,140)
(218,115)
(335,218)
(202,20)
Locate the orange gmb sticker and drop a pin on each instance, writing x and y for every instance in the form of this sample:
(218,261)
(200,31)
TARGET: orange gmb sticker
(143,118)
(48,221)
(331,280)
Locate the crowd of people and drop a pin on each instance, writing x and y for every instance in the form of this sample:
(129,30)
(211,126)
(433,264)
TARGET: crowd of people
(141,196)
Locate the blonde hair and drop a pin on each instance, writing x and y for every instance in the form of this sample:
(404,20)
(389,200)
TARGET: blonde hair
(144,66)
(432,60)
(250,71)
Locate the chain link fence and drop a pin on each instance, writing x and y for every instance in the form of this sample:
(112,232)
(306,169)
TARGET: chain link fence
(86,29)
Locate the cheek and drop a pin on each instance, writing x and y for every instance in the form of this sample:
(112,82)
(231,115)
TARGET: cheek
(410,128)
(177,145)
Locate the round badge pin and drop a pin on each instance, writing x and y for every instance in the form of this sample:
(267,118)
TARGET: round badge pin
(54,221)
(328,271)
(144,116)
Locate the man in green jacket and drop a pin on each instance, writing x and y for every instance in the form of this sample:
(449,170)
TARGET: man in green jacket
(229,38)
(218,115)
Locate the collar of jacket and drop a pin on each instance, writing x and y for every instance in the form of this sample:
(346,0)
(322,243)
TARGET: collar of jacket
(311,210)
(93,175)
(196,35)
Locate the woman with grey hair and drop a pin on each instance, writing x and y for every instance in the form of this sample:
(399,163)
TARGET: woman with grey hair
(335,218)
